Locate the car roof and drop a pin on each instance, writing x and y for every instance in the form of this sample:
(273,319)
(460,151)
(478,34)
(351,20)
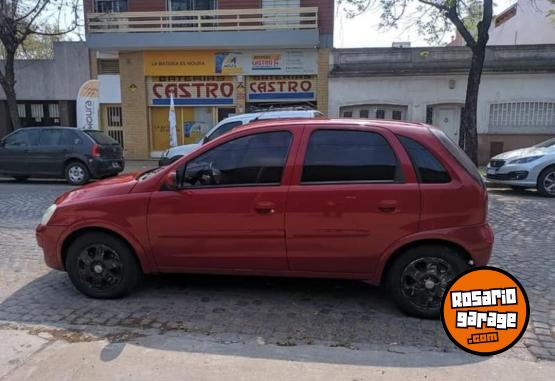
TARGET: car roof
(394,125)
(271,115)
(49,127)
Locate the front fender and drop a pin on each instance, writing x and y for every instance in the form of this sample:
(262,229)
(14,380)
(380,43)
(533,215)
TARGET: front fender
(143,253)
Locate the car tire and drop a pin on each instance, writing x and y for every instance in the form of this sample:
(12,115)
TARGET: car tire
(546,182)
(102,266)
(423,272)
(21,178)
(76,173)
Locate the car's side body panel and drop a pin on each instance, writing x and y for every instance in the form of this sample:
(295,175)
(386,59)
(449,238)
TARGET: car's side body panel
(330,230)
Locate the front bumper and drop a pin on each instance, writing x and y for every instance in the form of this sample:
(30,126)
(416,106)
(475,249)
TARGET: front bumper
(106,167)
(511,174)
(47,239)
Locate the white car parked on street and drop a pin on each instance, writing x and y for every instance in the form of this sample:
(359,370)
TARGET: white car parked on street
(228,124)
(532,167)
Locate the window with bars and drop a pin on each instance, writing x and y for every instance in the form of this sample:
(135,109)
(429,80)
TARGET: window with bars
(522,114)
(53,110)
(21,111)
(37,111)
(113,114)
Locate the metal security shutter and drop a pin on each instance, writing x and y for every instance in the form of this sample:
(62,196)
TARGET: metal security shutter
(108,66)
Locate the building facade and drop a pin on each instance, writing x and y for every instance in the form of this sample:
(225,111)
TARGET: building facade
(516,105)
(46,88)
(215,57)
(524,23)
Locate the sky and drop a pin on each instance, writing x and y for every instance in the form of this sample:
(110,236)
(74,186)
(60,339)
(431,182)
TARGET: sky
(362,31)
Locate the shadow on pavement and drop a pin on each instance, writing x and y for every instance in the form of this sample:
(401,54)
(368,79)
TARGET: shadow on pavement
(291,314)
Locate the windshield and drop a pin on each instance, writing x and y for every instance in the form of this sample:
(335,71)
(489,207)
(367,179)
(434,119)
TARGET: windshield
(547,143)
(101,138)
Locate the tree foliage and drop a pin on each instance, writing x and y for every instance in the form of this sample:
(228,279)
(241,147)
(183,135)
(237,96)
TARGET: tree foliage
(433,19)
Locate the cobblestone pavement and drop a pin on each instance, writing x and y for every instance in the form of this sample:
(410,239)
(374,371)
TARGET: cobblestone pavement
(285,312)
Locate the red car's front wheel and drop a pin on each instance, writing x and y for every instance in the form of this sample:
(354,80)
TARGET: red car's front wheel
(102,266)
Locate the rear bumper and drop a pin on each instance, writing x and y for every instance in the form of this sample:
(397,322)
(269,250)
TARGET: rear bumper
(106,167)
(47,239)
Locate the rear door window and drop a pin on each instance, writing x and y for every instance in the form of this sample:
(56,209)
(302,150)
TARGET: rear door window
(348,156)
(428,169)
(49,137)
(100,138)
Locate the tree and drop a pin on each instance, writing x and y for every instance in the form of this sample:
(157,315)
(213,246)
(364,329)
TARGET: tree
(24,22)
(434,18)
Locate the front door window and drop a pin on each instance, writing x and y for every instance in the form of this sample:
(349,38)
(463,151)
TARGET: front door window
(250,160)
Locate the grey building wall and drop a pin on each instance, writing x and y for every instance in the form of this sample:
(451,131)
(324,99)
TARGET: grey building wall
(52,79)
(57,79)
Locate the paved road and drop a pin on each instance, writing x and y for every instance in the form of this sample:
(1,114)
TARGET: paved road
(286,312)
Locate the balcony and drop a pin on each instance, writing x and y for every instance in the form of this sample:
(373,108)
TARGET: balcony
(221,28)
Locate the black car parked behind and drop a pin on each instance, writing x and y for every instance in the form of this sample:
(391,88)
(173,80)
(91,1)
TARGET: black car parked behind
(77,155)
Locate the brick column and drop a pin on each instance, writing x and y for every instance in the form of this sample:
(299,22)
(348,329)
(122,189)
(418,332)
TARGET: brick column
(136,134)
(323,80)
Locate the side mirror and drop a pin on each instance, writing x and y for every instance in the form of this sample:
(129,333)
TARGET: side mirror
(170,181)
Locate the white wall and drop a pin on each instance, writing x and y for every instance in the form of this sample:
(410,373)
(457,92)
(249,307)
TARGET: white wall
(110,90)
(530,25)
(419,91)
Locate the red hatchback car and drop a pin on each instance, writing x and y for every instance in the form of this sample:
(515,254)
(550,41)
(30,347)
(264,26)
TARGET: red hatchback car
(383,202)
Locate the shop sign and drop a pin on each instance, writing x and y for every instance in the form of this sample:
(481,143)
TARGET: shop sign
(209,62)
(268,89)
(296,61)
(192,92)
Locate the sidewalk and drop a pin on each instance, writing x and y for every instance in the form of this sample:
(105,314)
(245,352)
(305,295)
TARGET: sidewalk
(132,166)
(43,356)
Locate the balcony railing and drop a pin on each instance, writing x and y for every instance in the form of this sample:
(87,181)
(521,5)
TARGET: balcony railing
(204,21)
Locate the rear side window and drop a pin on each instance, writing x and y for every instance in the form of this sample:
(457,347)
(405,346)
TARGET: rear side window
(458,154)
(428,168)
(100,138)
(70,138)
(348,156)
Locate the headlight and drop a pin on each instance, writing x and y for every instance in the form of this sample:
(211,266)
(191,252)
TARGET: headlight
(48,213)
(524,160)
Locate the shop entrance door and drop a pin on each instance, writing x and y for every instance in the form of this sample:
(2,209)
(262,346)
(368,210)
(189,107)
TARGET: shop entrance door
(160,127)
(224,112)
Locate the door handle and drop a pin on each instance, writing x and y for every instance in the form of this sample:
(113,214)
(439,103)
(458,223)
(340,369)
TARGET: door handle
(265,208)
(387,206)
